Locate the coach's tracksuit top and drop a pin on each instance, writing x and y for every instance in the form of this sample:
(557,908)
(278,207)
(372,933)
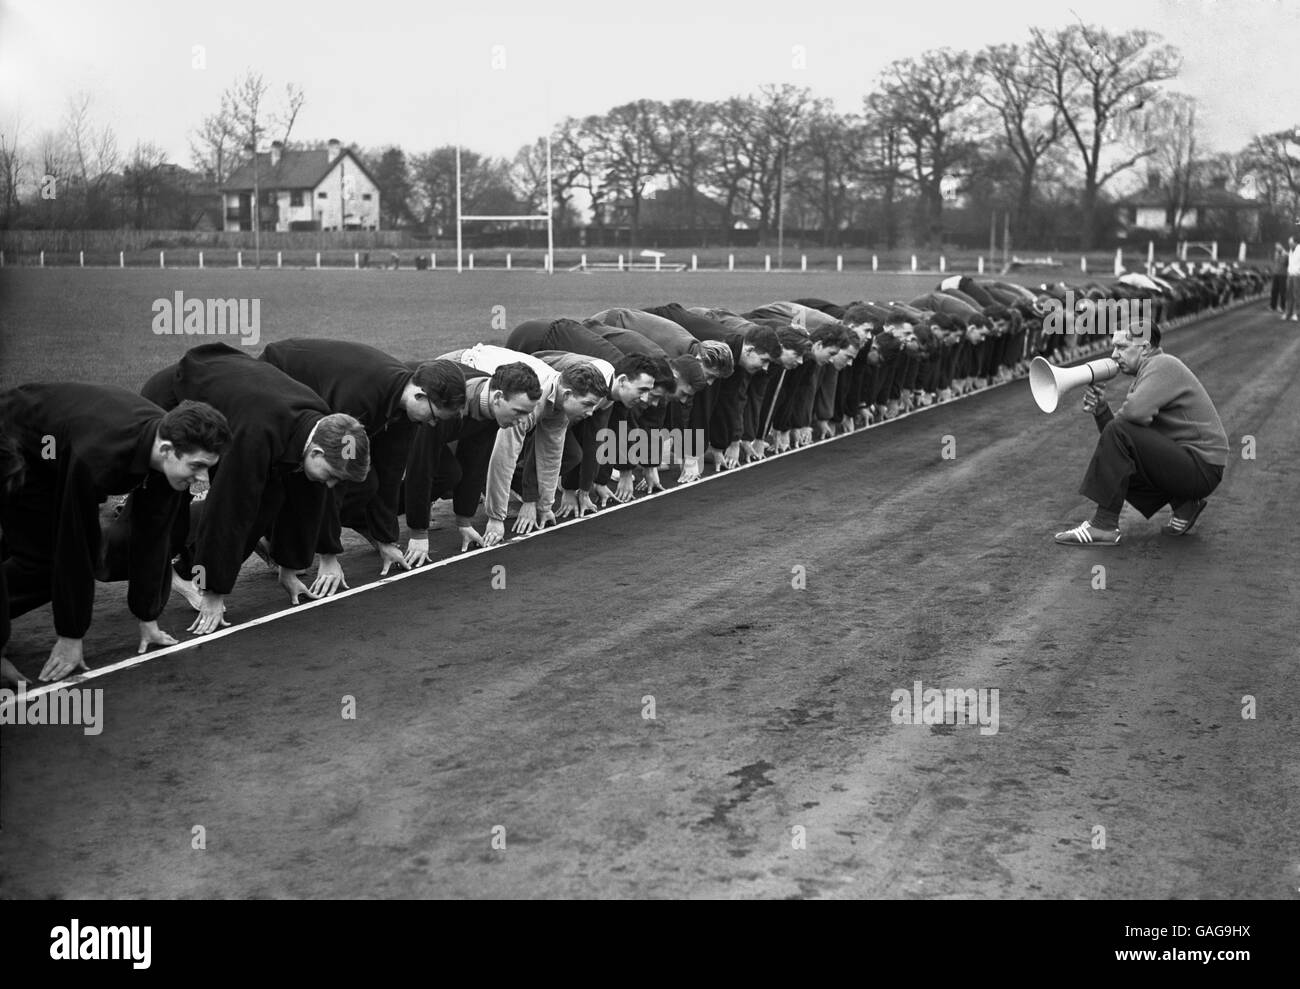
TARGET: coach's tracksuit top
(271,417)
(82,443)
(367,384)
(1167,396)
(548,418)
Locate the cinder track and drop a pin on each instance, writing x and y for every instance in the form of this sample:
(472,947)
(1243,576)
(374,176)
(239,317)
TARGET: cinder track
(522,708)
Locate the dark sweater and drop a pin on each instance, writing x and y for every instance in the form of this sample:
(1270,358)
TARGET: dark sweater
(102,440)
(1166,396)
(271,417)
(367,384)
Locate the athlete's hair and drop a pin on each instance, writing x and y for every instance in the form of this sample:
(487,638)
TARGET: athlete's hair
(585,379)
(764,340)
(792,339)
(345,444)
(443,381)
(635,365)
(831,335)
(716,356)
(194,427)
(516,379)
(692,371)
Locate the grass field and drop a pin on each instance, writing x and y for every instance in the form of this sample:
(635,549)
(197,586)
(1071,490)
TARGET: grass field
(95,325)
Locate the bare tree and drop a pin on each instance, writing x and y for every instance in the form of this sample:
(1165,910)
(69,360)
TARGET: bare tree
(578,155)
(95,159)
(1031,122)
(142,185)
(215,144)
(1095,80)
(13,163)
(624,145)
(683,138)
(1168,124)
(825,167)
(928,102)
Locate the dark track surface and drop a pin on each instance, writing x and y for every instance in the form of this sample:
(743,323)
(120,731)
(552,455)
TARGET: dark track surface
(522,708)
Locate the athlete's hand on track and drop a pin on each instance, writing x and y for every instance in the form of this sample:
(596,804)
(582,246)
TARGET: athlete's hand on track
(624,490)
(603,495)
(329,576)
(650,483)
(391,553)
(690,471)
(65,658)
(731,457)
(781,441)
(824,429)
(585,504)
(846,424)
(152,635)
(493,533)
(544,518)
(527,520)
(569,505)
(802,436)
(417,552)
(212,611)
(468,534)
(292,583)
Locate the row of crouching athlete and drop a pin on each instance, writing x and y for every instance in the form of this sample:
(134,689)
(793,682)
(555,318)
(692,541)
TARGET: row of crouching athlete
(223,455)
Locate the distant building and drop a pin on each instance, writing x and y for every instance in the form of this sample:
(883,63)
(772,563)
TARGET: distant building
(320,189)
(1212,212)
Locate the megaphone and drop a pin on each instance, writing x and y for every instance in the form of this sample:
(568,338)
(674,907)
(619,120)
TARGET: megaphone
(1049,383)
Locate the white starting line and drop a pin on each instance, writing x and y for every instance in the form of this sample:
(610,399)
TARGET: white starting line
(201,640)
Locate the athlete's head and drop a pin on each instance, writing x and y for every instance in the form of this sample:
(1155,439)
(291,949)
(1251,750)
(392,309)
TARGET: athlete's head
(191,438)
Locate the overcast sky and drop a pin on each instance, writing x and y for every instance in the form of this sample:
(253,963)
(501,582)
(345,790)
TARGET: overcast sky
(420,74)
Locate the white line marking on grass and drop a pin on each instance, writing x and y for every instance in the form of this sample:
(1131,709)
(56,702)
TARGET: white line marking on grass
(201,640)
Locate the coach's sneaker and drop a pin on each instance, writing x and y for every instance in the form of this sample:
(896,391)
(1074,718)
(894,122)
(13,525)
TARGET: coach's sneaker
(1184,517)
(1084,534)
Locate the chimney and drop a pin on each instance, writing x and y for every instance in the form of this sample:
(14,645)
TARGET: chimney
(276,148)
(334,148)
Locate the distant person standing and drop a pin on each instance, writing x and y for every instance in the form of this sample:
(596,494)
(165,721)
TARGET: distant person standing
(1281,259)
(1292,281)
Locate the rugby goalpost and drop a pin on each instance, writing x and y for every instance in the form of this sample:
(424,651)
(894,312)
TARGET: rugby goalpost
(548,216)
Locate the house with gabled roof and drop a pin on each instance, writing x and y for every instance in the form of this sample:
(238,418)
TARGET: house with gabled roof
(1212,210)
(314,189)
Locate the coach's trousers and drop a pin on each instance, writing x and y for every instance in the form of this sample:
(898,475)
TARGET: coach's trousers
(1145,468)
(1292,294)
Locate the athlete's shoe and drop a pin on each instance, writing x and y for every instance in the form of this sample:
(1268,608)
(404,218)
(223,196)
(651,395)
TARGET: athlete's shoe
(1084,534)
(1184,517)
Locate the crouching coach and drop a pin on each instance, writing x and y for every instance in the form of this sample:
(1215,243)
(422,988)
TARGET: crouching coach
(1165,446)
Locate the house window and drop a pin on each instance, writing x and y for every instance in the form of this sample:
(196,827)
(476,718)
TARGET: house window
(366,196)
(322,195)
(295,197)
